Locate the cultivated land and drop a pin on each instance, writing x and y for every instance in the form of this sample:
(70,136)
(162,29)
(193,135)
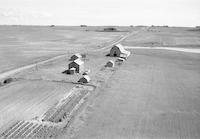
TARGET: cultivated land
(22,45)
(153,94)
(166,37)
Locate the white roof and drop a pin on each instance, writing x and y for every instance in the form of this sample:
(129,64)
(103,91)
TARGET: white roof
(121,48)
(86,77)
(72,69)
(78,55)
(110,61)
(78,61)
(120,59)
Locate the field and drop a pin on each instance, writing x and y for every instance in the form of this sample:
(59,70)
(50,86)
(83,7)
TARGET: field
(153,94)
(166,37)
(22,45)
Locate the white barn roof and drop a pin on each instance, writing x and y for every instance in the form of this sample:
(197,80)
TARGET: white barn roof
(78,55)
(78,61)
(121,48)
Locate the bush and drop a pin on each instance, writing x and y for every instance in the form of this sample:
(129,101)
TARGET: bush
(8,80)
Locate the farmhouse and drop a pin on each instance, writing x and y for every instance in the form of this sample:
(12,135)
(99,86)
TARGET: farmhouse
(78,65)
(75,56)
(110,63)
(118,50)
(84,79)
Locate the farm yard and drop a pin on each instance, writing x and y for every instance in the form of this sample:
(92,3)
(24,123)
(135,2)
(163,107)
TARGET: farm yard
(152,94)
(37,43)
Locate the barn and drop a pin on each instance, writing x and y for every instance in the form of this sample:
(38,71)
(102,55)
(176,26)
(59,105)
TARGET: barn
(110,63)
(84,79)
(75,56)
(118,50)
(78,65)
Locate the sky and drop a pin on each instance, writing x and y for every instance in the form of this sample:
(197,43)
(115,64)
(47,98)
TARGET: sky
(100,12)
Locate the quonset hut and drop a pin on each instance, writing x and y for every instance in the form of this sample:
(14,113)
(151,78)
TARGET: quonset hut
(110,63)
(84,79)
(118,50)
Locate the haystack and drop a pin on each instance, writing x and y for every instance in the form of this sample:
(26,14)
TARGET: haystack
(84,79)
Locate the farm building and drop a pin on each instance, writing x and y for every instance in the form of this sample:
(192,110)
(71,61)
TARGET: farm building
(110,29)
(118,50)
(84,79)
(75,56)
(83,25)
(86,72)
(120,59)
(110,63)
(70,71)
(78,65)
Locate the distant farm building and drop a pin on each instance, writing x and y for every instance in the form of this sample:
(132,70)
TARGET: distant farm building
(84,79)
(110,63)
(119,51)
(86,72)
(75,57)
(78,65)
(110,29)
(83,25)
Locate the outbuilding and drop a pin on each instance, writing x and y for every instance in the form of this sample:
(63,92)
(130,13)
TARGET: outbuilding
(118,50)
(86,72)
(78,65)
(110,63)
(120,59)
(84,79)
(75,56)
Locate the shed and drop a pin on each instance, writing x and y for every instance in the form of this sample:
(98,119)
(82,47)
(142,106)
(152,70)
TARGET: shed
(78,65)
(72,70)
(117,50)
(75,56)
(86,72)
(110,63)
(84,79)
(120,59)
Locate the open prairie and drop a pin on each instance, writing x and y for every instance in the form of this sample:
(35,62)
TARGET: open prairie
(152,94)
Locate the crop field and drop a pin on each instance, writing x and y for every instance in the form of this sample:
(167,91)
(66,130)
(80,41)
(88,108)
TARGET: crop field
(24,99)
(155,94)
(163,36)
(152,94)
